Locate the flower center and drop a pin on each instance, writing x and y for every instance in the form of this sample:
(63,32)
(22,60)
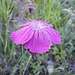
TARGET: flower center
(37,25)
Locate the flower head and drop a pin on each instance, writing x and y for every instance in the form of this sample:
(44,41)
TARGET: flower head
(31,9)
(37,36)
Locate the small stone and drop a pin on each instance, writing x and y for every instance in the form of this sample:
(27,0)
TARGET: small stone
(14,53)
(50,69)
(50,62)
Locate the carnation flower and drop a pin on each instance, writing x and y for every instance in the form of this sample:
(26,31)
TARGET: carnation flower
(37,36)
(31,9)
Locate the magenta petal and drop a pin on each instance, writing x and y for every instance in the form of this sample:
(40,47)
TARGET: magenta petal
(55,38)
(26,24)
(31,7)
(39,43)
(22,35)
(50,25)
(32,10)
(38,36)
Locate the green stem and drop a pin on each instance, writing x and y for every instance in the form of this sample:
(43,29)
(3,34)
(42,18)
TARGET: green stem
(27,64)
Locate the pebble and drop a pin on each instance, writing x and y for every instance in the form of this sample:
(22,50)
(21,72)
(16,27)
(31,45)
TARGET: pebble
(50,68)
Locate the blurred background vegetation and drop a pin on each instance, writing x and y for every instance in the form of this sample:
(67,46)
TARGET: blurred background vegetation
(15,60)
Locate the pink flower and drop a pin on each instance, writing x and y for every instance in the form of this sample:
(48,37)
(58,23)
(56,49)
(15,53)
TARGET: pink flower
(31,9)
(37,36)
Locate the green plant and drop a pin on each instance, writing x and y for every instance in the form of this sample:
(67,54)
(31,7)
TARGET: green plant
(56,13)
(6,8)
